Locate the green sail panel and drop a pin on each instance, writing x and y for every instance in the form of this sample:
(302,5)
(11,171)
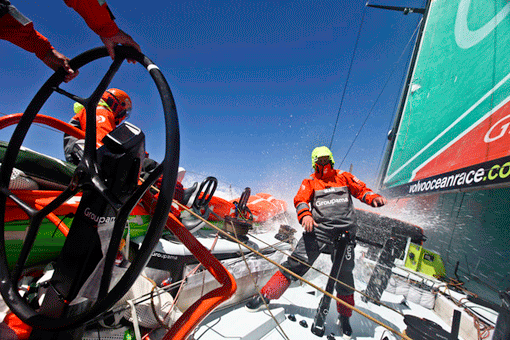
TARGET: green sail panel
(455,128)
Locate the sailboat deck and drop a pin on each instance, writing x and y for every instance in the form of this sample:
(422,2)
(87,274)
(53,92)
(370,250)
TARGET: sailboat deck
(237,323)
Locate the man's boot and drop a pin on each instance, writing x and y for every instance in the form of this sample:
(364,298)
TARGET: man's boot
(257,303)
(346,327)
(344,315)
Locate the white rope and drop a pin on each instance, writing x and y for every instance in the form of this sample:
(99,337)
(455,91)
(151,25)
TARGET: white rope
(135,320)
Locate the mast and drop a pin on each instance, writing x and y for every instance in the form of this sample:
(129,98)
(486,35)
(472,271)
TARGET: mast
(405,90)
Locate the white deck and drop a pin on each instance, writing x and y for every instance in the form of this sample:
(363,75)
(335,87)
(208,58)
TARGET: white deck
(237,323)
(302,300)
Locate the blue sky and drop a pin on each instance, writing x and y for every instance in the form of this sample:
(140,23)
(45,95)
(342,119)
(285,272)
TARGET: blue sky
(258,84)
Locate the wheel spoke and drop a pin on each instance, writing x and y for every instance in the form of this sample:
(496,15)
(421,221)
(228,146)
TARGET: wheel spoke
(27,209)
(89,154)
(74,97)
(137,195)
(57,202)
(36,218)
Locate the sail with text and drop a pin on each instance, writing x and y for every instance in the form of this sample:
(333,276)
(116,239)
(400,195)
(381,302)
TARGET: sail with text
(453,130)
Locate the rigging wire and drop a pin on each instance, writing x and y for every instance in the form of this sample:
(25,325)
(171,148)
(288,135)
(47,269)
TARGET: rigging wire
(380,93)
(348,74)
(401,82)
(235,239)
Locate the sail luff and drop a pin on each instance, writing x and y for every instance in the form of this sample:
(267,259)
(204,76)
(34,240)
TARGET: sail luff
(403,97)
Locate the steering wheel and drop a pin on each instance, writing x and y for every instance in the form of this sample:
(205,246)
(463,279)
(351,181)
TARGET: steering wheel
(88,180)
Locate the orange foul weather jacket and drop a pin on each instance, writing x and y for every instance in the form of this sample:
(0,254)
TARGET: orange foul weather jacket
(327,198)
(19,30)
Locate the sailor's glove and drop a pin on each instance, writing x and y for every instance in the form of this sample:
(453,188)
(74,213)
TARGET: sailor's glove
(378,201)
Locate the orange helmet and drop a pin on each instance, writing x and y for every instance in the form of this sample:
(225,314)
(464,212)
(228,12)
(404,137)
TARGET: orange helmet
(119,102)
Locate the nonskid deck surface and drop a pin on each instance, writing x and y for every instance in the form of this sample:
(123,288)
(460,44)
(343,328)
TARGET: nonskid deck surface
(235,322)
(302,301)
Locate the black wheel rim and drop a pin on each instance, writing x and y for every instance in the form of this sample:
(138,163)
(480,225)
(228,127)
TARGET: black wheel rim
(169,168)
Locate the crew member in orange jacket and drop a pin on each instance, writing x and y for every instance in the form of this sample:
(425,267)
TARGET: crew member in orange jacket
(19,30)
(114,106)
(324,208)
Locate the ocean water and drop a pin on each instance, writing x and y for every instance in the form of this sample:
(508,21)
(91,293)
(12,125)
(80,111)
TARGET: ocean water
(471,232)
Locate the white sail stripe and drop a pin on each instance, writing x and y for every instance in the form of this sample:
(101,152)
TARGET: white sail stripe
(500,105)
(464,37)
(474,106)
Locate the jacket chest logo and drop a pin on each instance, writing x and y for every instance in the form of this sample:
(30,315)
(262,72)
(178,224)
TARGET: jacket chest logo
(332,201)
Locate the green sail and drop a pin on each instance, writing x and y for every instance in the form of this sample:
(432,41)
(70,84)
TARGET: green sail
(454,126)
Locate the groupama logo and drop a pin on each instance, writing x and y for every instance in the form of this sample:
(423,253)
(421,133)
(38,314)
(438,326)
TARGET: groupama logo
(98,219)
(333,201)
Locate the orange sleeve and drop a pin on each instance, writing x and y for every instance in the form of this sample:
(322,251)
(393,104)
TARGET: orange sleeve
(302,200)
(24,35)
(359,189)
(97,15)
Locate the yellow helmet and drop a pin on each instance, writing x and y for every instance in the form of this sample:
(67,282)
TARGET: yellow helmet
(322,151)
